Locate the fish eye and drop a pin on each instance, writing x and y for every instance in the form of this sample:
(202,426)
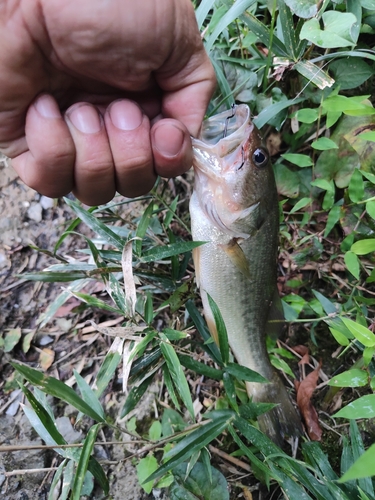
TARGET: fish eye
(260,157)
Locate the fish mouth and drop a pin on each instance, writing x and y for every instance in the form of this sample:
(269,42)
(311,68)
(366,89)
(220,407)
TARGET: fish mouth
(219,136)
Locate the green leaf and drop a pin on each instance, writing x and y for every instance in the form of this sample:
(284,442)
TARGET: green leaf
(201,368)
(336,33)
(304,8)
(230,390)
(195,486)
(370,208)
(323,143)
(96,225)
(177,374)
(298,159)
(363,247)
(367,136)
(202,10)
(328,306)
(314,74)
(106,371)
(264,35)
(135,395)
(155,430)
(83,463)
(221,330)
(163,252)
(88,395)
(268,113)
(363,467)
(350,378)
(142,227)
(365,484)
(352,263)
(333,219)
(57,389)
(233,13)
(193,442)
(302,203)
(243,373)
(350,73)
(97,471)
(11,339)
(145,467)
(363,407)
(368,353)
(361,333)
(339,337)
(43,416)
(356,187)
(307,115)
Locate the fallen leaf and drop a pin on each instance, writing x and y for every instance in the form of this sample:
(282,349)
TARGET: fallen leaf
(11,339)
(305,391)
(305,360)
(46,358)
(67,307)
(301,349)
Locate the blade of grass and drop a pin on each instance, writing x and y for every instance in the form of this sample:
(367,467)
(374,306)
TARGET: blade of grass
(83,462)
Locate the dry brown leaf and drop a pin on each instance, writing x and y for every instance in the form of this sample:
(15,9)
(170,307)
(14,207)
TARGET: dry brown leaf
(301,349)
(70,304)
(305,391)
(46,358)
(305,360)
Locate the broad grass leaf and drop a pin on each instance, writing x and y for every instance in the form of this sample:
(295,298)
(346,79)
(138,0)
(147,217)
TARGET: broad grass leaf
(135,395)
(264,35)
(328,306)
(54,276)
(106,371)
(363,407)
(68,478)
(352,263)
(289,484)
(97,471)
(142,227)
(360,332)
(314,74)
(363,247)
(177,374)
(201,368)
(44,417)
(358,450)
(145,467)
(127,301)
(323,143)
(268,113)
(57,389)
(88,395)
(244,373)
(289,34)
(193,442)
(83,462)
(298,159)
(230,390)
(96,225)
(339,337)
(170,387)
(302,203)
(364,466)
(221,330)
(355,8)
(95,302)
(163,252)
(56,479)
(233,13)
(281,365)
(203,9)
(350,378)
(194,485)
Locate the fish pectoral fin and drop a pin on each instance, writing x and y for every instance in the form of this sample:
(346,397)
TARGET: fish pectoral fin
(237,256)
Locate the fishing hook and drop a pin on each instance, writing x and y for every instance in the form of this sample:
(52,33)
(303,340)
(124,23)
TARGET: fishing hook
(242,157)
(233,107)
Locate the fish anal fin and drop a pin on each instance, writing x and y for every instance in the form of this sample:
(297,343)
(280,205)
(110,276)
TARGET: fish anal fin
(212,328)
(237,256)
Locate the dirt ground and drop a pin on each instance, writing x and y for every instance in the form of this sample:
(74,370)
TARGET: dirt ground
(28,218)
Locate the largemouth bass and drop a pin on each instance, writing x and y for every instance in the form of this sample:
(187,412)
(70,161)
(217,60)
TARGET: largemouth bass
(234,207)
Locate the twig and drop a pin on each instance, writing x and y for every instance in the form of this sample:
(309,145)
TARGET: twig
(229,458)
(18,472)
(9,448)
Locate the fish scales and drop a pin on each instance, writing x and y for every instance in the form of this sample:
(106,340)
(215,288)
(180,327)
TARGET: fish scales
(234,208)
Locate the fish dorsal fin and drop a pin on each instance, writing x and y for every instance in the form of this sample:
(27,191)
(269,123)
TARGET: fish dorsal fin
(276,320)
(237,256)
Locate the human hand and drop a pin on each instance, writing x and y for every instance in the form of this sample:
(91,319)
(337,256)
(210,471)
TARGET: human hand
(98,97)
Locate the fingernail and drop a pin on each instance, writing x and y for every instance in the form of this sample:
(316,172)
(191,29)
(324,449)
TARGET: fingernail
(125,115)
(85,118)
(47,107)
(168,139)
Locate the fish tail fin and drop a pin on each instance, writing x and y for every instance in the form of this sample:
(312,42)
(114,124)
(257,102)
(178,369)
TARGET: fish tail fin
(282,423)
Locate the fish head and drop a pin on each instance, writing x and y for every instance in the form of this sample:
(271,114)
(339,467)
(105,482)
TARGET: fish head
(234,179)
